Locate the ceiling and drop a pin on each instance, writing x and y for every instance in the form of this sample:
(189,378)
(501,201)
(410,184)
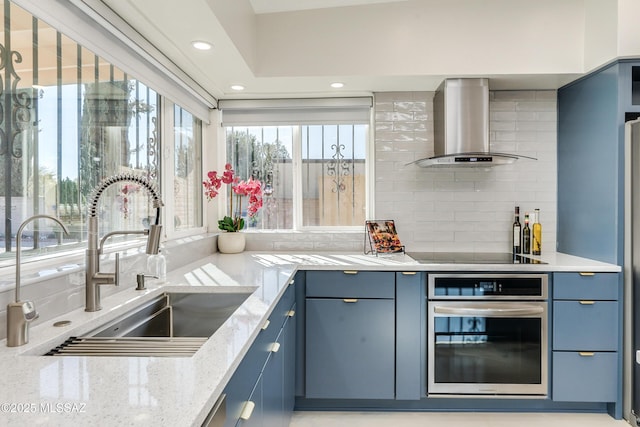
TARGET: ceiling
(296,48)
(272,6)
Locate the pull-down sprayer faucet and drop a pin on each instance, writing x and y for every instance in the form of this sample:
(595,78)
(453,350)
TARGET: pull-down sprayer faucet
(95,278)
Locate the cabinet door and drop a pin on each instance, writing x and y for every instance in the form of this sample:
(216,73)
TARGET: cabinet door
(410,335)
(272,386)
(289,353)
(350,348)
(278,377)
(251,414)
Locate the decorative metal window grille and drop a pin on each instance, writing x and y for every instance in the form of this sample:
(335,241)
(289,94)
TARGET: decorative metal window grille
(68,119)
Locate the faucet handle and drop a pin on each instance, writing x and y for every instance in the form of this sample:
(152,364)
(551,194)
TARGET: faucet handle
(29,311)
(116,274)
(19,315)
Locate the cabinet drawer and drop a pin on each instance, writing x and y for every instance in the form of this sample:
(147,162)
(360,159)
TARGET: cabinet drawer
(588,377)
(585,325)
(350,284)
(599,286)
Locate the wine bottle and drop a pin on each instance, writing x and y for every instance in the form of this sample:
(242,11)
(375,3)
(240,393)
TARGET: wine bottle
(526,236)
(536,244)
(517,233)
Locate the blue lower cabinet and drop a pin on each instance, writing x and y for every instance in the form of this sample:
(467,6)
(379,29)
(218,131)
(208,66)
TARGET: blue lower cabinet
(289,332)
(256,393)
(410,336)
(350,348)
(585,376)
(272,387)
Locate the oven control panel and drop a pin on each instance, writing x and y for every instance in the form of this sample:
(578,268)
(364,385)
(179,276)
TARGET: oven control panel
(495,286)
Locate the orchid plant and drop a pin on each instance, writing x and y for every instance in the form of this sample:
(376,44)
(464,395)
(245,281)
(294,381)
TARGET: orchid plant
(251,188)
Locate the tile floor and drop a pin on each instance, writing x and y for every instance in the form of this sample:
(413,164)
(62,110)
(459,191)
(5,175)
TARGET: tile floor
(448,419)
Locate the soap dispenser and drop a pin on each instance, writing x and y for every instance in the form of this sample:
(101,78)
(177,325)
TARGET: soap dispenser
(157,266)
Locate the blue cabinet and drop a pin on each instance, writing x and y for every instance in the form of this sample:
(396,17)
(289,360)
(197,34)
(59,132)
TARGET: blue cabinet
(350,336)
(411,332)
(586,337)
(251,414)
(591,115)
(585,376)
(259,388)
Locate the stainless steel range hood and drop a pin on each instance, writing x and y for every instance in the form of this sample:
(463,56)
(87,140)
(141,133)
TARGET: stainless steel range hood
(461,126)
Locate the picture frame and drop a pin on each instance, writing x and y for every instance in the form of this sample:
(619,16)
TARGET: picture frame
(381,237)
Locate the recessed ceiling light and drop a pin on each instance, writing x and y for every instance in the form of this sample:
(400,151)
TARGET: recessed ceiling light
(237,87)
(200,45)
(337,85)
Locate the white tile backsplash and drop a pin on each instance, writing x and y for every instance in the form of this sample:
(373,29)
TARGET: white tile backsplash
(466,209)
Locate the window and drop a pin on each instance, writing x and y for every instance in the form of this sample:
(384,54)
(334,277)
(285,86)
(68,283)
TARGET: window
(73,119)
(187,167)
(310,154)
(333,175)
(329,173)
(265,153)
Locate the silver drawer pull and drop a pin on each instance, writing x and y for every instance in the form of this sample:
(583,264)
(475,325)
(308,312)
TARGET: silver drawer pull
(586,353)
(291,313)
(350,271)
(409,273)
(585,302)
(350,300)
(586,273)
(275,347)
(265,325)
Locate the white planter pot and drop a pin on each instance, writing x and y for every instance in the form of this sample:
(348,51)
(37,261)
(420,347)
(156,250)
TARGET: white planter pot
(231,243)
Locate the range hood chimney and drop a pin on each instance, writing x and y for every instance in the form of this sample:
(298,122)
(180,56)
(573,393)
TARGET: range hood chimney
(461,126)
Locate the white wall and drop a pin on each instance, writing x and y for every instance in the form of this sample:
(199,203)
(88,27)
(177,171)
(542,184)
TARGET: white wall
(462,209)
(424,37)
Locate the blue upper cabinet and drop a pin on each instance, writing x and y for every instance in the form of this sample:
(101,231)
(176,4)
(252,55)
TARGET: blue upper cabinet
(591,116)
(589,148)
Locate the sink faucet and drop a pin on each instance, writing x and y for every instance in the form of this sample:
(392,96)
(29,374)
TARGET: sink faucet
(94,277)
(21,313)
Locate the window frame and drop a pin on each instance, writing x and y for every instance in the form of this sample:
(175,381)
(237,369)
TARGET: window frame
(297,175)
(167,178)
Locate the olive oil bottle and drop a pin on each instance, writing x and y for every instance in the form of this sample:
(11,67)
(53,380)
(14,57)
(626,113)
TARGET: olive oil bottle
(536,244)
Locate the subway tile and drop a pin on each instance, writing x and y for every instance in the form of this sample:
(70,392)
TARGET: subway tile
(514,95)
(381,106)
(410,106)
(393,116)
(410,126)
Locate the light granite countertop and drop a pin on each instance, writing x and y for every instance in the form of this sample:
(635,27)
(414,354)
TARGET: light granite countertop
(152,391)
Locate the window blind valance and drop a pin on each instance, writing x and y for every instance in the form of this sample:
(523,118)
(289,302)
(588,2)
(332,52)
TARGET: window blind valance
(95,26)
(307,111)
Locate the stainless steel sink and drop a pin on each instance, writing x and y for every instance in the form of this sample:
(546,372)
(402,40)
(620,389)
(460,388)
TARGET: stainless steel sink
(172,324)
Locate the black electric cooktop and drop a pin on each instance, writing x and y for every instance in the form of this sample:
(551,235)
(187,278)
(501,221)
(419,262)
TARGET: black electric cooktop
(471,258)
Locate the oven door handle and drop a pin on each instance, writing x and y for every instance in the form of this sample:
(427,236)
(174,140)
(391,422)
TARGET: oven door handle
(489,312)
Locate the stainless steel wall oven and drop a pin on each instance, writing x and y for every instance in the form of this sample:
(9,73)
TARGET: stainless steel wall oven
(487,334)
